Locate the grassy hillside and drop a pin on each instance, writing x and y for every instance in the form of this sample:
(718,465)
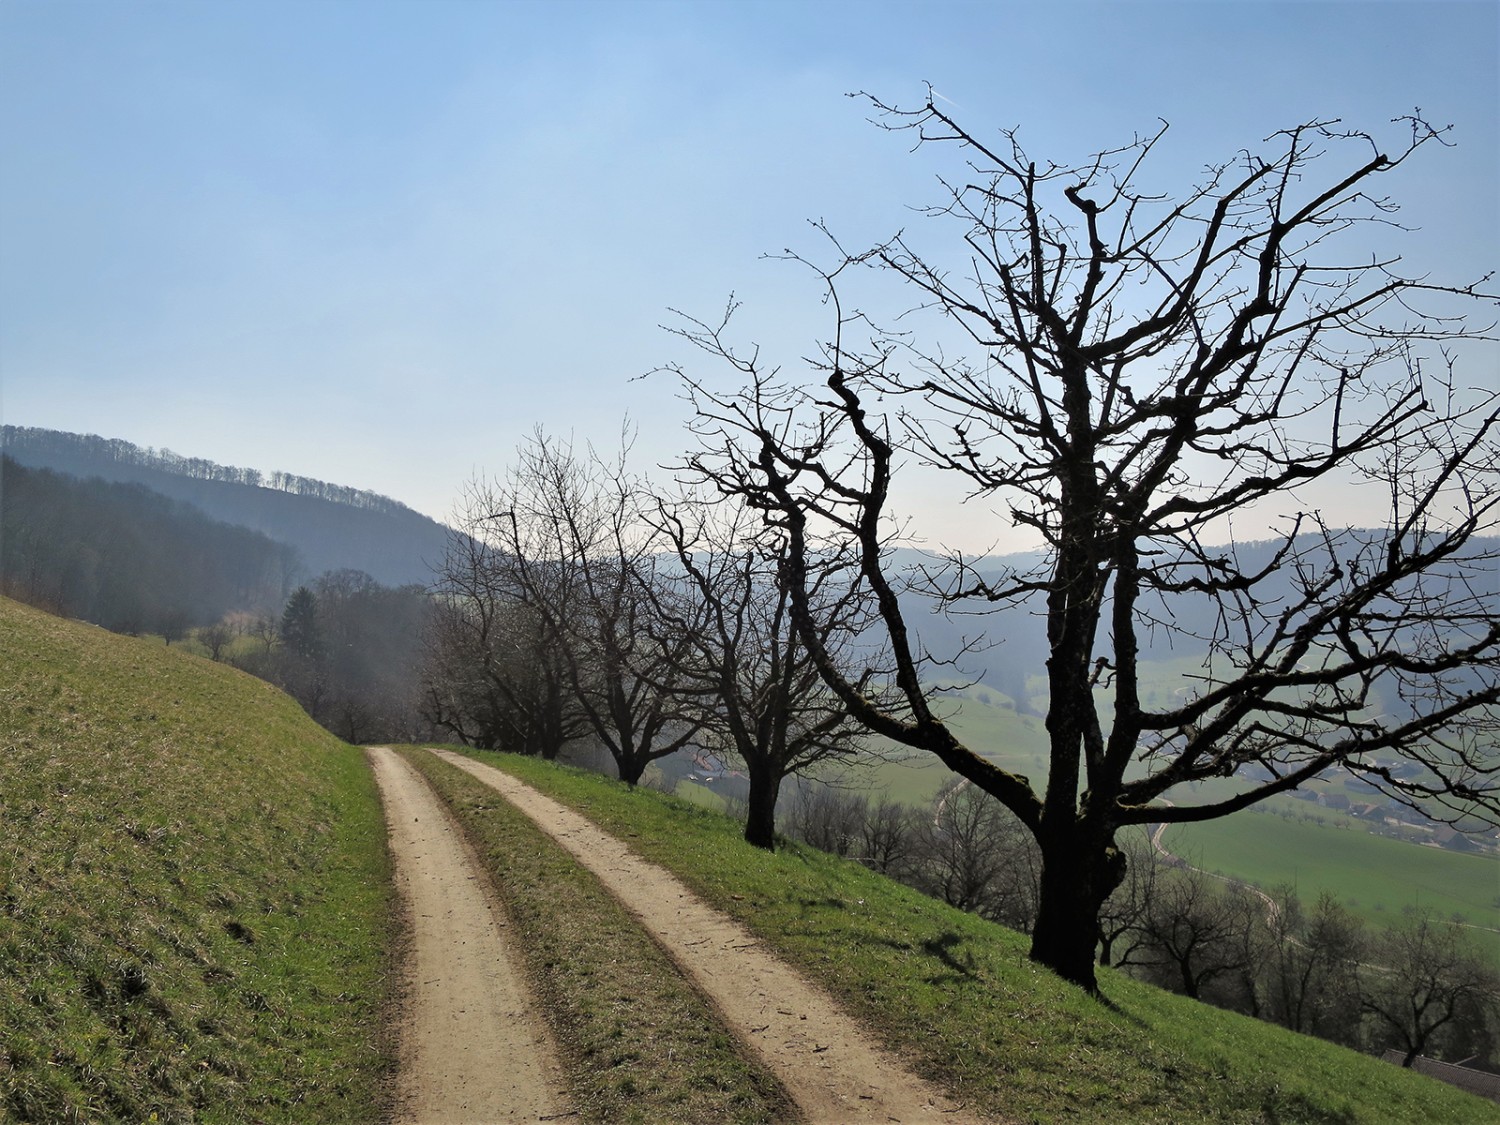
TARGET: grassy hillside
(958,996)
(193,909)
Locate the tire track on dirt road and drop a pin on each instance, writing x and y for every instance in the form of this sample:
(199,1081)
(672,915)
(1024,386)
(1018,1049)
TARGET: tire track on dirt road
(473,1047)
(828,1064)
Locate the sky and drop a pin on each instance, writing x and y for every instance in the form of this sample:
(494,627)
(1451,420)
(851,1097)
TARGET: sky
(379,243)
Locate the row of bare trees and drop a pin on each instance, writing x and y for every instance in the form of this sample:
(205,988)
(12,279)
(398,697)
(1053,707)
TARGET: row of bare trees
(1421,986)
(576,604)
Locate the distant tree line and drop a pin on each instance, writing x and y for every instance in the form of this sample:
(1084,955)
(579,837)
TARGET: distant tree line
(346,648)
(332,527)
(124,557)
(28,443)
(1420,985)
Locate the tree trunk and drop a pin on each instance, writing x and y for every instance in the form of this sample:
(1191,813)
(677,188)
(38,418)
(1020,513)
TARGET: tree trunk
(1106,950)
(631,767)
(1077,876)
(760,818)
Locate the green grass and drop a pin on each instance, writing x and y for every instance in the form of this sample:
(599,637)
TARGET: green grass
(981,717)
(701,795)
(1376,876)
(194,903)
(958,997)
(1373,875)
(639,1043)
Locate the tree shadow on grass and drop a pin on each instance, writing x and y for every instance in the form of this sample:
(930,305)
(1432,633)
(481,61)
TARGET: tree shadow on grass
(944,948)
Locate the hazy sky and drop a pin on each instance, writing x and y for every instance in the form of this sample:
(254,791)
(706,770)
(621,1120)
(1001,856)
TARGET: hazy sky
(377,243)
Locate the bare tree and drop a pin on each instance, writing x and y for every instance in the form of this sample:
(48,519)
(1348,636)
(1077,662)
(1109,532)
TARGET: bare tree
(1147,369)
(976,856)
(762,696)
(494,674)
(581,552)
(888,838)
(1425,973)
(265,629)
(1196,933)
(827,818)
(1309,963)
(1122,914)
(551,592)
(215,638)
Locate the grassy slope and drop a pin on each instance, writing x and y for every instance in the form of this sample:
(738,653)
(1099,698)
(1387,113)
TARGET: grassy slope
(193,909)
(958,996)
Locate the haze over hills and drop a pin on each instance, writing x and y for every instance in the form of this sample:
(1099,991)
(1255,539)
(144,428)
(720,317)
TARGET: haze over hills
(332,527)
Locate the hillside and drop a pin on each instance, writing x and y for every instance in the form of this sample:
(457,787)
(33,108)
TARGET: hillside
(1007,646)
(332,527)
(958,999)
(193,894)
(222,959)
(130,559)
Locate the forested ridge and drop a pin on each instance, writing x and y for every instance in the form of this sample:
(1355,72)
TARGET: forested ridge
(327,603)
(332,526)
(128,558)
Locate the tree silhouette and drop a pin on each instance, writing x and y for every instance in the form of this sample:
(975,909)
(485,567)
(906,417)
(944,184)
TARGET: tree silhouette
(1125,374)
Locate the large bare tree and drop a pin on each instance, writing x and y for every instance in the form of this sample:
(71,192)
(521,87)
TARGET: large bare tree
(1426,972)
(1126,375)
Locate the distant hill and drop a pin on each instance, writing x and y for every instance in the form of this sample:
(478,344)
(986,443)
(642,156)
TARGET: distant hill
(332,527)
(128,558)
(1008,643)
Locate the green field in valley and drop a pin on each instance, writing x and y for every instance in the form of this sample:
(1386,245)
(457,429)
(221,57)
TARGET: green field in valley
(1375,876)
(1291,842)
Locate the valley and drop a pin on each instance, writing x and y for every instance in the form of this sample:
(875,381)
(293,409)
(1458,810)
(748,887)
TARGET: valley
(1377,869)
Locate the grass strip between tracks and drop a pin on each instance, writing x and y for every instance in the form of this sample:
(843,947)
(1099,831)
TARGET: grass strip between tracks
(639,1043)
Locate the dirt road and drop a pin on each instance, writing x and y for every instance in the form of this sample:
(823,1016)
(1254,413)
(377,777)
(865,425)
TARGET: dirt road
(473,1047)
(833,1071)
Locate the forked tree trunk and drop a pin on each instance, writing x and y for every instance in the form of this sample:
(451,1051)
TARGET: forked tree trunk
(1077,876)
(631,767)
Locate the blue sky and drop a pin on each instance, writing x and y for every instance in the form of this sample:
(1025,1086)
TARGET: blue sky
(377,243)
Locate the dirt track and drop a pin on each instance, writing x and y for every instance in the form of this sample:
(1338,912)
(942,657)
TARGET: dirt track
(473,1047)
(833,1071)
